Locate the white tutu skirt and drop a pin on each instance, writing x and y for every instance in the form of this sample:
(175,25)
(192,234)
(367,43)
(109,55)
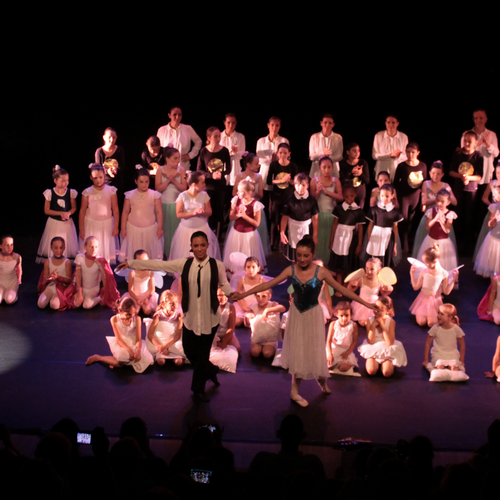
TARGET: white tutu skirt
(102,230)
(448,259)
(180,247)
(381,352)
(246,243)
(142,238)
(426,305)
(63,228)
(122,355)
(337,351)
(303,352)
(488,258)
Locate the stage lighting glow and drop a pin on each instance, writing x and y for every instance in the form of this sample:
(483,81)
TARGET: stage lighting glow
(15,347)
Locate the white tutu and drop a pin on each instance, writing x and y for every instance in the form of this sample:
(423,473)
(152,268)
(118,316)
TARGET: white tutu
(448,259)
(102,230)
(488,258)
(303,350)
(142,238)
(122,355)
(381,351)
(181,242)
(63,228)
(247,243)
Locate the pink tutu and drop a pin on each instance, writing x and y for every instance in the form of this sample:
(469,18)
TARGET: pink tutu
(426,305)
(360,312)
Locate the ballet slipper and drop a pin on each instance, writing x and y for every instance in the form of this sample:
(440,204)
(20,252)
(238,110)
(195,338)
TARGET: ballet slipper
(299,400)
(324,386)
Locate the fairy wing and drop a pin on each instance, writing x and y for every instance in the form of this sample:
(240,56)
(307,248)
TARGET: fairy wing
(124,273)
(450,274)
(416,263)
(387,276)
(355,275)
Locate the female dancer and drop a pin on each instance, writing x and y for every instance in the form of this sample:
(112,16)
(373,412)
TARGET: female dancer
(304,344)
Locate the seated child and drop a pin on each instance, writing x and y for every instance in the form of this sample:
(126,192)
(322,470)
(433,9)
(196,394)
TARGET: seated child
(225,334)
(90,271)
(342,340)
(495,370)
(165,331)
(10,270)
(55,278)
(444,353)
(264,318)
(141,286)
(126,346)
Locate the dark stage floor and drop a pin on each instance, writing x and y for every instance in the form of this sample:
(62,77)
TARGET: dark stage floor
(43,378)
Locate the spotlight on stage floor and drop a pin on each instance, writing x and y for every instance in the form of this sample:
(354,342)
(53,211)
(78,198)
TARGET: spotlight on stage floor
(15,347)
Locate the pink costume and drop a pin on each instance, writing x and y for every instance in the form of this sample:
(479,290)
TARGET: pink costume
(59,294)
(141,287)
(142,226)
(429,299)
(359,311)
(99,220)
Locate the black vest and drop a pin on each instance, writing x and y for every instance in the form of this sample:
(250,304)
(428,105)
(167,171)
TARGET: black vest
(214,283)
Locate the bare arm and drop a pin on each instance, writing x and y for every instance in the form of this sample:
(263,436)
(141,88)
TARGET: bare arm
(427,347)
(125,214)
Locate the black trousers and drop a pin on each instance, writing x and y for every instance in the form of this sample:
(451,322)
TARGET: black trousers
(197,350)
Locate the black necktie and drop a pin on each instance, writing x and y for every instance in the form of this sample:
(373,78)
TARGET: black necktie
(198,279)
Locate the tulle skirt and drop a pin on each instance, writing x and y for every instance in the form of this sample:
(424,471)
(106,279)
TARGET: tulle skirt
(246,243)
(122,355)
(142,238)
(102,230)
(426,305)
(170,225)
(488,258)
(181,242)
(303,350)
(381,351)
(63,228)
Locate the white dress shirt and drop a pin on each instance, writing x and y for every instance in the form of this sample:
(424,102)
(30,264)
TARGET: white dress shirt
(383,146)
(235,139)
(265,150)
(489,154)
(317,144)
(199,318)
(180,138)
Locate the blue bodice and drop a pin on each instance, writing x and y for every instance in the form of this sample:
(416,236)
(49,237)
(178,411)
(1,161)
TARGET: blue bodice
(306,294)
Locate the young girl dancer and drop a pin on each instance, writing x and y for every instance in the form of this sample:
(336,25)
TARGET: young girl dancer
(264,319)
(127,347)
(226,332)
(371,288)
(142,220)
(495,370)
(99,214)
(303,350)
(327,191)
(381,349)
(11,270)
(280,176)
(439,223)
(298,213)
(250,171)
(444,353)
(355,171)
(165,331)
(170,181)
(193,209)
(55,278)
(432,281)
(489,307)
(342,340)
(246,213)
(141,287)
(410,175)
(60,205)
(251,279)
(487,261)
(382,232)
(382,179)
(90,271)
(346,236)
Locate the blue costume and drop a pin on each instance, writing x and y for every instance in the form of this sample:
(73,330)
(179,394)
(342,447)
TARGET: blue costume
(304,343)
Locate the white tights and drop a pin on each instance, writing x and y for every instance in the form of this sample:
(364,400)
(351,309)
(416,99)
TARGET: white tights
(49,295)
(9,294)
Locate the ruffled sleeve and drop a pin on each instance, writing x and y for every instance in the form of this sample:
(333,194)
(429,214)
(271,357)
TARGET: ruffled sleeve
(80,259)
(48,194)
(432,332)
(234,201)
(73,193)
(258,206)
(428,213)
(112,190)
(128,194)
(451,215)
(156,195)
(180,197)
(204,196)
(87,192)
